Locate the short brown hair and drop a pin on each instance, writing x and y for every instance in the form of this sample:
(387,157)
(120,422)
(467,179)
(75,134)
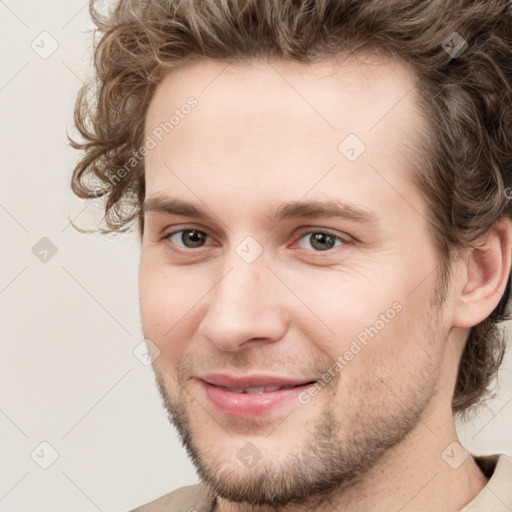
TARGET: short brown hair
(466,99)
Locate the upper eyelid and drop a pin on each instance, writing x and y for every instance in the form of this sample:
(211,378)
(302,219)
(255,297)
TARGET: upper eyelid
(186,228)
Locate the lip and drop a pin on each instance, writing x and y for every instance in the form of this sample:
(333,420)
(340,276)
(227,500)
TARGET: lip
(244,405)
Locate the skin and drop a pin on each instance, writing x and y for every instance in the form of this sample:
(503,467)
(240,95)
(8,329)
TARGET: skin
(263,134)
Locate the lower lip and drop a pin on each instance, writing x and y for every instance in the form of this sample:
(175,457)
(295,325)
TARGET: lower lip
(244,405)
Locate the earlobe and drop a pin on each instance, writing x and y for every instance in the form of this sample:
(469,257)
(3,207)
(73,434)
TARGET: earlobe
(486,272)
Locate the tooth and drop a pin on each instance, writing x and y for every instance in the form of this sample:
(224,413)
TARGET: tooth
(262,389)
(272,388)
(258,390)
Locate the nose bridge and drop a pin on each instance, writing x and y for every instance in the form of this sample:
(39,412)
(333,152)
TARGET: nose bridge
(243,305)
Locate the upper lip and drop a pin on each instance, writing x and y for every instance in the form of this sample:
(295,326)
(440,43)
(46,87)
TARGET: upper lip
(252,381)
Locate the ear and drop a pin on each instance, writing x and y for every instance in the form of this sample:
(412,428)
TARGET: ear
(484,275)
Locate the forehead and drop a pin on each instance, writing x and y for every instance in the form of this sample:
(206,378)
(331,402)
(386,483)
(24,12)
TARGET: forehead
(268,125)
(356,91)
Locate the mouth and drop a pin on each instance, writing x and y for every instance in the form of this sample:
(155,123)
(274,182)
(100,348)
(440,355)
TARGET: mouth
(251,396)
(266,389)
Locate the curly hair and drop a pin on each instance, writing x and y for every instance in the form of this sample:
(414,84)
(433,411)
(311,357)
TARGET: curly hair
(460,51)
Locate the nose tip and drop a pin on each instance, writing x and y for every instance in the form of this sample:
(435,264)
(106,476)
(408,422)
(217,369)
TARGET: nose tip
(230,334)
(242,311)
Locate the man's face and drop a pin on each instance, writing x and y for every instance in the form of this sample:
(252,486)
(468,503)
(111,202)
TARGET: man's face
(245,292)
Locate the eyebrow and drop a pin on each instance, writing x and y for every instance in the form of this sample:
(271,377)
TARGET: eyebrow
(290,210)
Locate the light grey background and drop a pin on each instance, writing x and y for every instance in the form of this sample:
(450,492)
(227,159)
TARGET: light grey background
(70,325)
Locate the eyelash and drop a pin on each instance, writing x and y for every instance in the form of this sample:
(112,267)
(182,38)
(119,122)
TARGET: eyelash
(301,235)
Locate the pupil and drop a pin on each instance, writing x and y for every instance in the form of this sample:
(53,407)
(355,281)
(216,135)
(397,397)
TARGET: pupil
(322,237)
(195,237)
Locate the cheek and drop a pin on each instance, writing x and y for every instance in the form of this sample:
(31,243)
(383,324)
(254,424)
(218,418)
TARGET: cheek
(385,364)
(170,305)
(164,291)
(338,308)
(157,299)
(353,318)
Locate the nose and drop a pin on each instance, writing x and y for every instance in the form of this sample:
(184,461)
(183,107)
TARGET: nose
(244,307)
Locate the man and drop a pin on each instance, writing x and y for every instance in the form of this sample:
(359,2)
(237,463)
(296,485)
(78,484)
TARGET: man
(321,194)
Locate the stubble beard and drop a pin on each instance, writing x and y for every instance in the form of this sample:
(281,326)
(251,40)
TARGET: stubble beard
(326,463)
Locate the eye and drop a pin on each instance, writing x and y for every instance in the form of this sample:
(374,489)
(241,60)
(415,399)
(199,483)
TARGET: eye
(319,240)
(313,239)
(189,238)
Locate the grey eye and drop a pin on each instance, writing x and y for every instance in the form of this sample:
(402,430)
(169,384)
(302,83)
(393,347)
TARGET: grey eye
(190,238)
(320,240)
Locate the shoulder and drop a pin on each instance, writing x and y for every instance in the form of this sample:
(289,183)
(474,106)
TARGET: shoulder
(495,466)
(497,494)
(191,498)
(503,469)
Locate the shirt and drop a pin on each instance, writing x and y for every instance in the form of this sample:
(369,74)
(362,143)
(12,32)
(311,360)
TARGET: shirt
(496,496)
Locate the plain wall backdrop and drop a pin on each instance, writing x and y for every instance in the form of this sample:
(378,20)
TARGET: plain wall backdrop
(82,428)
